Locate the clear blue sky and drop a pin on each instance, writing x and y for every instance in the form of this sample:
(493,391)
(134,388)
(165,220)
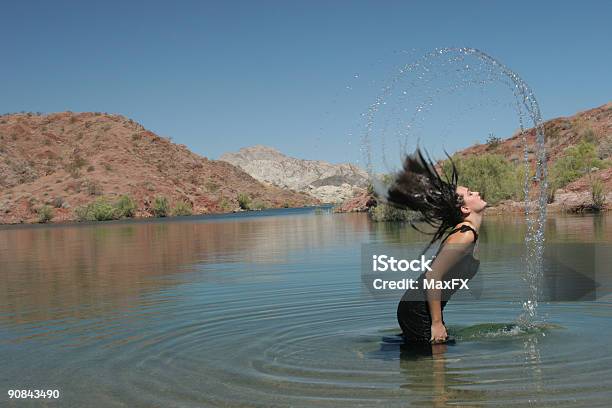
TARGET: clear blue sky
(218,76)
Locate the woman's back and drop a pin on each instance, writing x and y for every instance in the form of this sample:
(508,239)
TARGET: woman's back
(452,261)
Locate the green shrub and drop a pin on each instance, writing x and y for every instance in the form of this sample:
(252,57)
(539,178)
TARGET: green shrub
(493,141)
(384,212)
(605,148)
(577,161)
(182,208)
(587,134)
(58,202)
(224,204)
(161,208)
(370,189)
(103,210)
(491,175)
(125,207)
(74,173)
(45,213)
(82,213)
(244,201)
(99,210)
(551,193)
(75,163)
(598,194)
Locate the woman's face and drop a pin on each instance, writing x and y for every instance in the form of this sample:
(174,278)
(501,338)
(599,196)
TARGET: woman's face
(471,200)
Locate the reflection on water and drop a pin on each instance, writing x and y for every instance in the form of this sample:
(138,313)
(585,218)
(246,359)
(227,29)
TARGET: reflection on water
(267,310)
(430,379)
(79,270)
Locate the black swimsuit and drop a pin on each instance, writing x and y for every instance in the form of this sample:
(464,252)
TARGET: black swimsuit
(413,314)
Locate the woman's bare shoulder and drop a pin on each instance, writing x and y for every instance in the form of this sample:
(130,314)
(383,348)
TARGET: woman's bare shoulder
(461,237)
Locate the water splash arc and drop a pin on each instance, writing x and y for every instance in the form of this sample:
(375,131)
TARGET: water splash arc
(528,112)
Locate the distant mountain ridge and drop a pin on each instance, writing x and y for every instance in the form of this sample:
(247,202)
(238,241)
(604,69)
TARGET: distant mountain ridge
(330,183)
(67,159)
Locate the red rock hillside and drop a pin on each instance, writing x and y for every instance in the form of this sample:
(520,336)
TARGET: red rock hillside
(561,133)
(595,125)
(66,160)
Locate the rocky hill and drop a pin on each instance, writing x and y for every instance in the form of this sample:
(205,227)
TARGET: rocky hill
(561,133)
(330,183)
(593,125)
(66,160)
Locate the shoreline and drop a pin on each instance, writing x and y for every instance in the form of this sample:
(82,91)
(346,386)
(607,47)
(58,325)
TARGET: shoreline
(513,209)
(170,218)
(566,202)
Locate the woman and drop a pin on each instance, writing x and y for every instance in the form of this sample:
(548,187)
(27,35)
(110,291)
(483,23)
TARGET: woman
(456,213)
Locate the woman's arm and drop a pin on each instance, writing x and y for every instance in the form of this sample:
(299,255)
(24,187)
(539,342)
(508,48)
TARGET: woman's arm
(456,246)
(438,331)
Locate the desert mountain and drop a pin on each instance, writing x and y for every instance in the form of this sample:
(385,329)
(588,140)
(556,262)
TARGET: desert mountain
(330,183)
(593,125)
(66,160)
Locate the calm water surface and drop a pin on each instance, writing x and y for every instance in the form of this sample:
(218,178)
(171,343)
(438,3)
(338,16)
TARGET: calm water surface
(267,310)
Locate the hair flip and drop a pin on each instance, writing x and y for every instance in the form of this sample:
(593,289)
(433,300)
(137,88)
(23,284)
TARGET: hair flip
(419,187)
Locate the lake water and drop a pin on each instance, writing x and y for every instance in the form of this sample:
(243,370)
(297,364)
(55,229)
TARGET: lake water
(267,309)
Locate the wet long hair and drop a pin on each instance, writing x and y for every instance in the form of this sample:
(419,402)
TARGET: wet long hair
(419,187)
